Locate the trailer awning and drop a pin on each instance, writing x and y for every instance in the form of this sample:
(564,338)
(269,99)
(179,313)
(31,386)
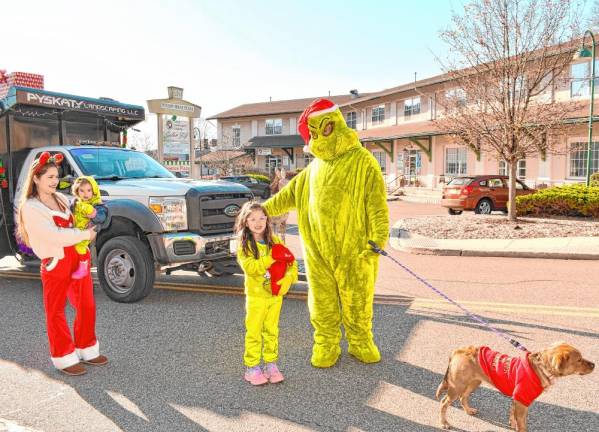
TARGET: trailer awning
(28,97)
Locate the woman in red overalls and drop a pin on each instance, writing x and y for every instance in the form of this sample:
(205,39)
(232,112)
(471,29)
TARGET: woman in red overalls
(46,225)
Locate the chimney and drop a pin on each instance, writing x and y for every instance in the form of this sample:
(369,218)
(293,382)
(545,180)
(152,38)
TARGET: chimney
(354,93)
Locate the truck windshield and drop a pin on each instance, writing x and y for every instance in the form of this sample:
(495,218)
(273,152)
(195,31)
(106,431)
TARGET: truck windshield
(114,163)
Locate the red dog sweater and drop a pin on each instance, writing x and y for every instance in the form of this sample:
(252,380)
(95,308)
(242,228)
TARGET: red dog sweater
(513,376)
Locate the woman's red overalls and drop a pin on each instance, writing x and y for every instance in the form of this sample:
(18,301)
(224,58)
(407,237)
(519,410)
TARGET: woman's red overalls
(58,286)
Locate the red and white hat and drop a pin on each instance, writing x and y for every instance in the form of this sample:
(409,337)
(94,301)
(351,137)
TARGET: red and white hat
(316,108)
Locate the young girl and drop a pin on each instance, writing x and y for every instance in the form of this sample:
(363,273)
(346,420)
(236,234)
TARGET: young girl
(86,208)
(263,300)
(46,225)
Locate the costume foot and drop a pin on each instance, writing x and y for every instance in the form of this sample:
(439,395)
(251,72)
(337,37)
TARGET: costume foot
(74,370)
(325,356)
(98,361)
(366,352)
(81,271)
(255,376)
(272,372)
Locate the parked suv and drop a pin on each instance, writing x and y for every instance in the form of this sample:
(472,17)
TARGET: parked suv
(258,188)
(483,194)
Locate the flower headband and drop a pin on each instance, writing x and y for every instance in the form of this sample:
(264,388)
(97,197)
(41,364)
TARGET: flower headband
(46,158)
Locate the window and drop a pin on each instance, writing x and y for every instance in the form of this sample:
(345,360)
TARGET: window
(503,168)
(520,170)
(378,115)
(411,107)
(578,158)
(381,159)
(350,119)
(274,126)
(580,73)
(456,96)
(273,162)
(236,137)
(308,157)
(496,183)
(455,161)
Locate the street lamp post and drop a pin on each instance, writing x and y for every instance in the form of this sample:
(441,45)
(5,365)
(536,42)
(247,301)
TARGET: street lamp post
(585,53)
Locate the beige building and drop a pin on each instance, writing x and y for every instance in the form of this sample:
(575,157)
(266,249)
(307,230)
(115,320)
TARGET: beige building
(268,131)
(398,126)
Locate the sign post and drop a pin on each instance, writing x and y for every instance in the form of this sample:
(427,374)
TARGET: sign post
(177,141)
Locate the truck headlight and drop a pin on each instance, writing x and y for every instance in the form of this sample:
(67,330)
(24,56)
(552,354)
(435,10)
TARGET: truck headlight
(172,212)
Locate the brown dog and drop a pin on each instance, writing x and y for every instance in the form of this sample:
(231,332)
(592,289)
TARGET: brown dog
(523,379)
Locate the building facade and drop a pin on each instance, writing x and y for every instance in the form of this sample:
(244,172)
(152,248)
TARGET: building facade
(398,126)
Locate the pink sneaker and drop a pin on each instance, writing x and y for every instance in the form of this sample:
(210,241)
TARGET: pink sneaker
(255,376)
(81,271)
(272,372)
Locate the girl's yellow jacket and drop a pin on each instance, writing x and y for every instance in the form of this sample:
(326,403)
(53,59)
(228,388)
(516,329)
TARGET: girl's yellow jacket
(257,284)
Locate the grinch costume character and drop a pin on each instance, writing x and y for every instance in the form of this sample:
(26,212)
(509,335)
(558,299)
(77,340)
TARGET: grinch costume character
(341,204)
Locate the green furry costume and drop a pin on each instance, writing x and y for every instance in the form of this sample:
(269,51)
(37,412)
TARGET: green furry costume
(341,204)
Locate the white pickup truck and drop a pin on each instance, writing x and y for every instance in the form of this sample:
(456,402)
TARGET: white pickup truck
(159,222)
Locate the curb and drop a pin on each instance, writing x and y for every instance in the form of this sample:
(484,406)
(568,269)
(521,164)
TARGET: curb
(400,240)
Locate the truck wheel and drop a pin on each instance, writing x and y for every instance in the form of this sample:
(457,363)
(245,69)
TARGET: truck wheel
(126,269)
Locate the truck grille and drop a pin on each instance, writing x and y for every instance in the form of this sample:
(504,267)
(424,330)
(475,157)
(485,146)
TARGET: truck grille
(206,211)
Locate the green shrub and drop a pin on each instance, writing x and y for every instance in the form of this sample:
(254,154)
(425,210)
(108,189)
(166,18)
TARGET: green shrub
(570,200)
(260,177)
(595,179)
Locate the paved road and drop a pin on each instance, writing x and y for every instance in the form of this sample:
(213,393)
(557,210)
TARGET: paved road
(176,356)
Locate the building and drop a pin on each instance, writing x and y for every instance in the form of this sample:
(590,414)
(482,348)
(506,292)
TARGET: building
(398,126)
(268,131)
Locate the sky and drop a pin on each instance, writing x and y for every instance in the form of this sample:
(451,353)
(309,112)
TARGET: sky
(223,53)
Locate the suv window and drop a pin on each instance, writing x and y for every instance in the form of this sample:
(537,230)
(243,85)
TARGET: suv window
(460,181)
(495,183)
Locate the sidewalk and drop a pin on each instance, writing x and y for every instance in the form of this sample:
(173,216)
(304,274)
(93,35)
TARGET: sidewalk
(577,248)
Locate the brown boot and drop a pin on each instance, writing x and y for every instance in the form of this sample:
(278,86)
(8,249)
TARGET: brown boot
(98,361)
(74,370)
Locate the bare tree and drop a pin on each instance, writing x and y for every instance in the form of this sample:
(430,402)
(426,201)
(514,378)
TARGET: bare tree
(593,21)
(505,59)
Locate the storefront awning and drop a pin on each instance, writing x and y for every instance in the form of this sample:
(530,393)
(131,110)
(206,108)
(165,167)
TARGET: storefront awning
(276,141)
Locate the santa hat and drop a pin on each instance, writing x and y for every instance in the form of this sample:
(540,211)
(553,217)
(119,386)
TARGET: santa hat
(316,108)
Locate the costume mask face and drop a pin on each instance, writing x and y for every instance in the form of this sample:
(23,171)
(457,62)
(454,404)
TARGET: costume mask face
(329,135)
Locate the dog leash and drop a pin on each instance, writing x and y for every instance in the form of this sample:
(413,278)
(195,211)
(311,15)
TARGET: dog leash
(475,317)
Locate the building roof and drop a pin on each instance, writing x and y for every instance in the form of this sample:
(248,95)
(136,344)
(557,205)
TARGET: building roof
(278,107)
(276,141)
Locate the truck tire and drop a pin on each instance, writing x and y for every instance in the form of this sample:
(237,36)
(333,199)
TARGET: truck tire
(126,269)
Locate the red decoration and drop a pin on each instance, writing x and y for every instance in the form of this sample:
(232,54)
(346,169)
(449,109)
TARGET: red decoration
(46,158)
(2,171)
(4,184)
(283,258)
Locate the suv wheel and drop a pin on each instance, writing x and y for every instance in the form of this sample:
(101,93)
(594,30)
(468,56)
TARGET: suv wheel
(265,194)
(484,206)
(454,212)
(126,269)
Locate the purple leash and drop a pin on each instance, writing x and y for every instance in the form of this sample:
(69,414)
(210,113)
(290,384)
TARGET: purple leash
(513,342)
